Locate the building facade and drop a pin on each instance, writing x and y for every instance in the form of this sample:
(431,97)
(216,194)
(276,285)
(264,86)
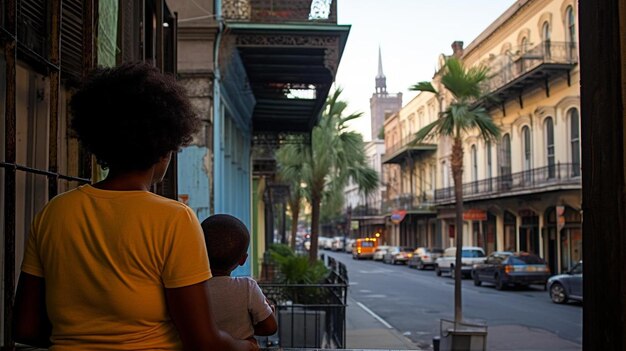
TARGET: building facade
(47,48)
(522,192)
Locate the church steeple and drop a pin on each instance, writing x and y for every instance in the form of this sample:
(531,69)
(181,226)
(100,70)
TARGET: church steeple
(381,81)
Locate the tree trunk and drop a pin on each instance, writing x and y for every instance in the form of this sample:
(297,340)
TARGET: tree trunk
(315,225)
(295,213)
(457,174)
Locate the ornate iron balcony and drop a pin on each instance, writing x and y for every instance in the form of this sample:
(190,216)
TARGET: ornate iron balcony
(280,11)
(537,179)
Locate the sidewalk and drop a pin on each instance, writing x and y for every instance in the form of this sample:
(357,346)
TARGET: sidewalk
(364,331)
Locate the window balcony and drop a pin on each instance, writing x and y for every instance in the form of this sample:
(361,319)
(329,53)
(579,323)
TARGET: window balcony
(512,74)
(406,148)
(561,176)
(411,203)
(280,11)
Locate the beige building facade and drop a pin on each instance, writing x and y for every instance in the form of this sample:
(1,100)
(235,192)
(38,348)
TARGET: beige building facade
(522,192)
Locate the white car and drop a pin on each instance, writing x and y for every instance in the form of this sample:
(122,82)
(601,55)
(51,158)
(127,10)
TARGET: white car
(469,256)
(337,243)
(349,245)
(380,252)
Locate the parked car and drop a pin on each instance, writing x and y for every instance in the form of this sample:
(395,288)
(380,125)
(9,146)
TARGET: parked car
(503,268)
(469,256)
(325,243)
(380,252)
(568,286)
(424,257)
(349,245)
(397,254)
(337,243)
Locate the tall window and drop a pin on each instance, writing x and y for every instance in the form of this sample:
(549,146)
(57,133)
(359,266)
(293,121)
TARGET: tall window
(527,153)
(524,45)
(574,122)
(488,157)
(474,168)
(505,164)
(571,28)
(546,39)
(571,24)
(549,130)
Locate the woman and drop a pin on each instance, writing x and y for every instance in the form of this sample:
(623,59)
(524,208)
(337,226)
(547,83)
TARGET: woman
(113,266)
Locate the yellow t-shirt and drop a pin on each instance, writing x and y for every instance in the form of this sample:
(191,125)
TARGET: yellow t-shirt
(106,257)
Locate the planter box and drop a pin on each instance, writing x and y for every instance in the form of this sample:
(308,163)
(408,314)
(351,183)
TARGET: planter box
(462,336)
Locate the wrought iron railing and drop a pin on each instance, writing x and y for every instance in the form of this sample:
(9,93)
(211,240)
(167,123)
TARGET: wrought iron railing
(508,67)
(311,315)
(534,179)
(422,202)
(280,11)
(407,140)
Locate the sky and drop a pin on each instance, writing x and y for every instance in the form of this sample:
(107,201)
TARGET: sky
(411,35)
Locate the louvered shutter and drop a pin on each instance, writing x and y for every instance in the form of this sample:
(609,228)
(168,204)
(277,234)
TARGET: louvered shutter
(72,38)
(32,27)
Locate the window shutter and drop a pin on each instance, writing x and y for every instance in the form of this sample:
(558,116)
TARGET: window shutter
(32,27)
(72,38)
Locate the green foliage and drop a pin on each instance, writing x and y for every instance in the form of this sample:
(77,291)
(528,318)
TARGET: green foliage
(336,156)
(463,115)
(298,270)
(281,250)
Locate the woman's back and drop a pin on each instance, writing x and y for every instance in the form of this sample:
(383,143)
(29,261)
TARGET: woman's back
(106,257)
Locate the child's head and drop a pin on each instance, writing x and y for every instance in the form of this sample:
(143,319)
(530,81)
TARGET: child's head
(227,240)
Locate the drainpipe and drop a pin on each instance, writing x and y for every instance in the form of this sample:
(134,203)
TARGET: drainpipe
(218,156)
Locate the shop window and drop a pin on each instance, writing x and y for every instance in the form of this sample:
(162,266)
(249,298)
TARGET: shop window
(510,225)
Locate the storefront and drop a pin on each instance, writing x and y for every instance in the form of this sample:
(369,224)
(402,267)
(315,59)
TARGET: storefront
(510,230)
(529,232)
(563,239)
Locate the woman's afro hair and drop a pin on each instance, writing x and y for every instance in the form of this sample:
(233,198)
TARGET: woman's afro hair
(132,115)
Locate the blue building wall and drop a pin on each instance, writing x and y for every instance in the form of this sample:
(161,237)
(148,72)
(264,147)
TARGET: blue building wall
(233,138)
(193,179)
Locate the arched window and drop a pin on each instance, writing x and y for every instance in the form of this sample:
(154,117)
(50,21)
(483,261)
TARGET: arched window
(474,156)
(488,158)
(571,30)
(549,130)
(524,45)
(445,174)
(571,24)
(546,39)
(505,163)
(527,153)
(574,122)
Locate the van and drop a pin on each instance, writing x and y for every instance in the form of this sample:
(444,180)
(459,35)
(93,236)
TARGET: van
(364,248)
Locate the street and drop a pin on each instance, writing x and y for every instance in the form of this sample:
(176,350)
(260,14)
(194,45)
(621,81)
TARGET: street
(413,302)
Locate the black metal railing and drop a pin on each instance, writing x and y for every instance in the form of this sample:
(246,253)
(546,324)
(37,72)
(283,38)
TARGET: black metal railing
(407,140)
(374,209)
(310,315)
(533,179)
(280,11)
(509,67)
(422,202)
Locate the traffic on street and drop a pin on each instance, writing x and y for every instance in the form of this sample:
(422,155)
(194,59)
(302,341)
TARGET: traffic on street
(414,301)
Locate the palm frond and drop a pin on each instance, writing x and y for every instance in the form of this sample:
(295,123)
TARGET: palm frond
(424,86)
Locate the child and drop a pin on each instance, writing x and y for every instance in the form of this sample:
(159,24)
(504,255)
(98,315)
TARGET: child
(238,305)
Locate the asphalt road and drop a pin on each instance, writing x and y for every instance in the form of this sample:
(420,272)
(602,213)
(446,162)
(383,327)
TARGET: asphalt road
(413,302)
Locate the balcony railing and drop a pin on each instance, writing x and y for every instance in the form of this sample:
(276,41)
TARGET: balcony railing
(402,143)
(507,68)
(280,11)
(534,179)
(409,202)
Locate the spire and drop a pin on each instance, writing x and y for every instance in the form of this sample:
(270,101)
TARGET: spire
(380,64)
(381,81)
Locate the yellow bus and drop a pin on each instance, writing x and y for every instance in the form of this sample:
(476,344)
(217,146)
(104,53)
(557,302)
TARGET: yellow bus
(364,248)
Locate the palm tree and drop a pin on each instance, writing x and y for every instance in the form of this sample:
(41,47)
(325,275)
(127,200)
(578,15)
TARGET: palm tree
(335,156)
(463,115)
(289,155)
